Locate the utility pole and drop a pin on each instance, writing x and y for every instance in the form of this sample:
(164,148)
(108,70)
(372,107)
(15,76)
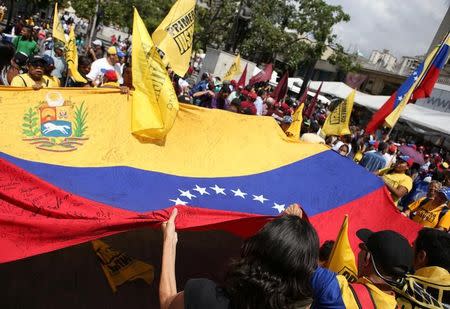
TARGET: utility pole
(94,23)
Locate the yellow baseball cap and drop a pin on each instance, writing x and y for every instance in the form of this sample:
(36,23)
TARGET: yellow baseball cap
(112,50)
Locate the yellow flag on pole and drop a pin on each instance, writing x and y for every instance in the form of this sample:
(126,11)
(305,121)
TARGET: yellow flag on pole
(297,119)
(155,103)
(58,31)
(342,259)
(72,58)
(337,123)
(119,267)
(174,35)
(234,69)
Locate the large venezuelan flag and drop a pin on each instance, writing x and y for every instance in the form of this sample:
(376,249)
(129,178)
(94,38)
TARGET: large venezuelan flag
(71,171)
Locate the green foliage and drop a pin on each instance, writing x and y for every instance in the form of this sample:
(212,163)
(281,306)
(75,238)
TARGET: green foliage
(214,24)
(80,121)
(345,62)
(30,123)
(294,30)
(120,12)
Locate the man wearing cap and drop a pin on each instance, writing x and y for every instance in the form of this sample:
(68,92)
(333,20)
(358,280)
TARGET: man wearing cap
(96,52)
(35,77)
(49,68)
(384,261)
(396,180)
(390,155)
(108,63)
(432,212)
(58,58)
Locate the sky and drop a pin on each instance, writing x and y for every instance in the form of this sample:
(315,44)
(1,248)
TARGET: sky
(405,27)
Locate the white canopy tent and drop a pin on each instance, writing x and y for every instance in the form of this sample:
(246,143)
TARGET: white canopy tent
(422,116)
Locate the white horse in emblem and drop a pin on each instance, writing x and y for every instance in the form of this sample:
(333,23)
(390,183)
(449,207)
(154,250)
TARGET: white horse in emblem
(50,127)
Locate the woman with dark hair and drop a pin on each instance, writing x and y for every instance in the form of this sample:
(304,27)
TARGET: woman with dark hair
(274,270)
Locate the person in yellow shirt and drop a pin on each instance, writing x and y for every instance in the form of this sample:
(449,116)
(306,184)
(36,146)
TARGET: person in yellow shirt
(432,272)
(384,260)
(396,180)
(48,69)
(35,77)
(432,213)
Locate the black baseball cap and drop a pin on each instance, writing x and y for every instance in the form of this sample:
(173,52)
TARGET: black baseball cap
(391,251)
(37,60)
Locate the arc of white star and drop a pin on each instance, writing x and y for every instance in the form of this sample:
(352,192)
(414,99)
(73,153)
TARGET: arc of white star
(179,202)
(400,98)
(239,193)
(279,207)
(200,190)
(186,194)
(416,78)
(260,198)
(218,190)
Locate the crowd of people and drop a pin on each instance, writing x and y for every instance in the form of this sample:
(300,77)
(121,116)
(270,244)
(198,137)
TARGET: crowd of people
(279,266)
(282,267)
(31,57)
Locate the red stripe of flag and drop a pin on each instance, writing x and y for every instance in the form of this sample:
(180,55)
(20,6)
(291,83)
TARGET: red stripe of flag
(379,117)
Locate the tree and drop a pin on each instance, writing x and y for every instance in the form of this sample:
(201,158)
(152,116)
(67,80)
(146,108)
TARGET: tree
(213,22)
(296,31)
(120,12)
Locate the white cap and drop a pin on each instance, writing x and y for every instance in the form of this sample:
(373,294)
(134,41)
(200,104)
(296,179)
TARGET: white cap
(97,42)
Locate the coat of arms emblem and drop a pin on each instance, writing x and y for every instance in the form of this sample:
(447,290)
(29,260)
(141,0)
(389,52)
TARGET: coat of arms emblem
(55,124)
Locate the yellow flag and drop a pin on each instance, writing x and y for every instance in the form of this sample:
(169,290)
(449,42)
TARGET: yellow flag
(337,123)
(297,119)
(58,31)
(174,35)
(72,58)
(119,267)
(155,103)
(234,69)
(342,259)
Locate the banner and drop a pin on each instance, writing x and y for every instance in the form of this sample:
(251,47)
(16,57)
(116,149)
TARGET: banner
(281,89)
(234,69)
(119,268)
(342,259)
(309,111)
(243,78)
(58,31)
(262,76)
(71,171)
(297,119)
(155,103)
(72,58)
(174,35)
(337,123)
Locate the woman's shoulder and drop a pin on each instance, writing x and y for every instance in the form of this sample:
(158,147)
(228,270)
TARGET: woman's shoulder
(204,293)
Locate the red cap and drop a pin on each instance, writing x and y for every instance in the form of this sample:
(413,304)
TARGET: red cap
(392,148)
(111,76)
(248,108)
(252,95)
(244,92)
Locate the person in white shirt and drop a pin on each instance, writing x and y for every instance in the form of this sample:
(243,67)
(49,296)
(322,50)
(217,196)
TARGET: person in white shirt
(108,63)
(259,102)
